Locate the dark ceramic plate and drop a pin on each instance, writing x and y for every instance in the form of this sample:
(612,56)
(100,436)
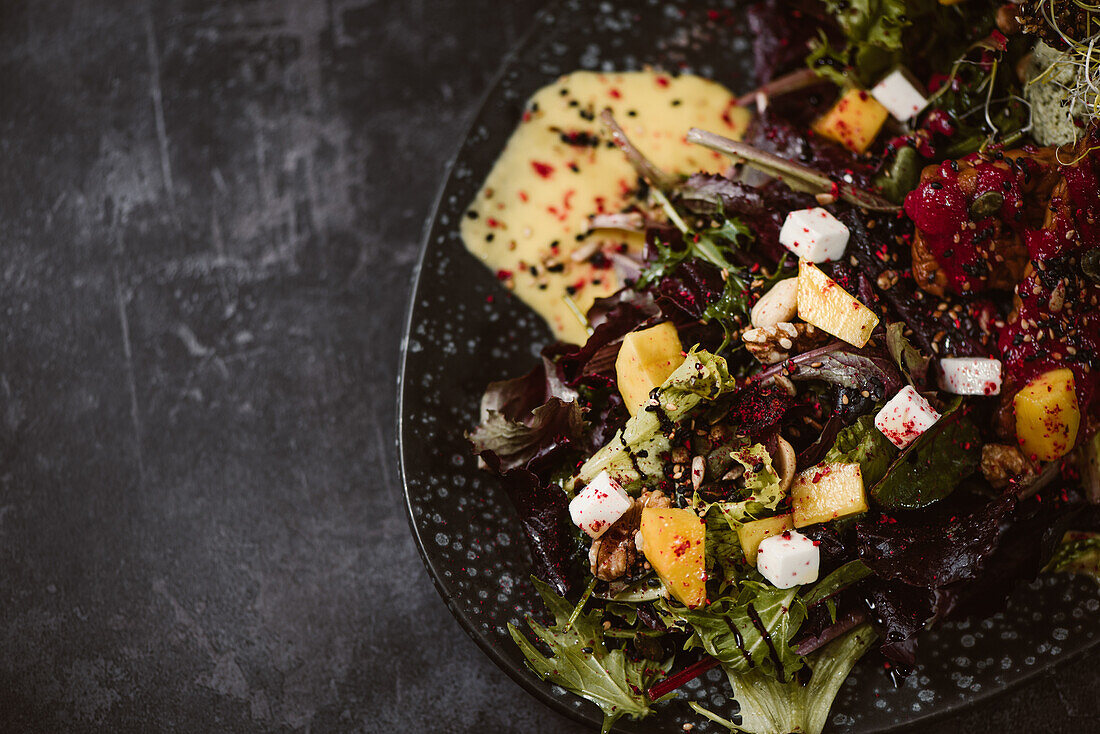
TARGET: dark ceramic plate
(457,341)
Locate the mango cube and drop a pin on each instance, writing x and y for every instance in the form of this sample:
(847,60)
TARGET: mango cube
(854,121)
(674,543)
(646,359)
(826,492)
(751,533)
(823,303)
(1047,415)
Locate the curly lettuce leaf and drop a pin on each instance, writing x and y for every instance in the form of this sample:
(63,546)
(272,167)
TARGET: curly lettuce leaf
(634,454)
(751,630)
(873,29)
(861,443)
(761,485)
(725,559)
(769,706)
(581,663)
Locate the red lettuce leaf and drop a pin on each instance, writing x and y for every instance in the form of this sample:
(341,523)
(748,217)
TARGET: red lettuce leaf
(543,511)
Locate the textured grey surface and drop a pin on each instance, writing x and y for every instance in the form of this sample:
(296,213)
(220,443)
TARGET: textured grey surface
(209,215)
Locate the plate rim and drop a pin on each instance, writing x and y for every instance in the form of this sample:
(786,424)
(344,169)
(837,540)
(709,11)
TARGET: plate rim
(522,676)
(517,675)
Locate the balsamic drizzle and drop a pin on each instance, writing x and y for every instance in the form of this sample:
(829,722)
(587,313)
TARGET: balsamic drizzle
(759,624)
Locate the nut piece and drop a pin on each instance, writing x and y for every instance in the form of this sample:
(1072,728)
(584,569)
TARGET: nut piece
(1002,463)
(616,551)
(784,461)
(773,344)
(778,304)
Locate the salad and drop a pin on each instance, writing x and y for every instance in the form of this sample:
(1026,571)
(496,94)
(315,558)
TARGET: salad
(826,369)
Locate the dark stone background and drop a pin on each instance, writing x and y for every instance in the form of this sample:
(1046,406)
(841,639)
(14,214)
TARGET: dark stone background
(209,216)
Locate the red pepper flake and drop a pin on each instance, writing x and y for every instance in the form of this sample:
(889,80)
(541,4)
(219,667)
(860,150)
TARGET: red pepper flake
(504,274)
(493,223)
(615,93)
(662,81)
(542,169)
(523,196)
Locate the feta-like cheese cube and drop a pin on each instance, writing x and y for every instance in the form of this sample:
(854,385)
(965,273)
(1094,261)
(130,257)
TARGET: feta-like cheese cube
(599,505)
(905,417)
(899,94)
(814,234)
(788,559)
(971,375)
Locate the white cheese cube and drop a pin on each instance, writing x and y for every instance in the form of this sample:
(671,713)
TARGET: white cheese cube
(971,375)
(599,505)
(905,417)
(814,234)
(788,559)
(899,95)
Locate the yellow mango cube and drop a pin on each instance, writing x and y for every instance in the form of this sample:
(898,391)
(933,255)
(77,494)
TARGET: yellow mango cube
(826,492)
(751,533)
(854,121)
(646,359)
(674,543)
(1047,415)
(823,303)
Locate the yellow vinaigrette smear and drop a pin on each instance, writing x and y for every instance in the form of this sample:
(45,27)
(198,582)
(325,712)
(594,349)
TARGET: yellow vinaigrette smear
(559,168)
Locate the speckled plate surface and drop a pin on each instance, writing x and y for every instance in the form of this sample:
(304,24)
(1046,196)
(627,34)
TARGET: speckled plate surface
(457,341)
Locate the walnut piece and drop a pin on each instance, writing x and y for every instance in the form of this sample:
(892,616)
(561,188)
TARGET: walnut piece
(773,344)
(614,553)
(1002,463)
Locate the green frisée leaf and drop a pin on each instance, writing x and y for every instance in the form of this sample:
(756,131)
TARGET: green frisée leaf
(725,560)
(748,631)
(769,706)
(761,488)
(931,467)
(873,29)
(581,663)
(861,443)
(634,454)
(1079,552)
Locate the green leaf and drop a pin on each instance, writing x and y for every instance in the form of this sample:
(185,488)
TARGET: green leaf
(772,707)
(1079,552)
(727,629)
(931,467)
(873,29)
(902,175)
(912,363)
(634,454)
(712,245)
(725,559)
(861,443)
(581,663)
(760,488)
(843,577)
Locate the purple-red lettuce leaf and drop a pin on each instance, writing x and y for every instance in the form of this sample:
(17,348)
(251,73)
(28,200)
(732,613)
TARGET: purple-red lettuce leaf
(554,424)
(782,33)
(543,510)
(1025,545)
(899,612)
(937,546)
